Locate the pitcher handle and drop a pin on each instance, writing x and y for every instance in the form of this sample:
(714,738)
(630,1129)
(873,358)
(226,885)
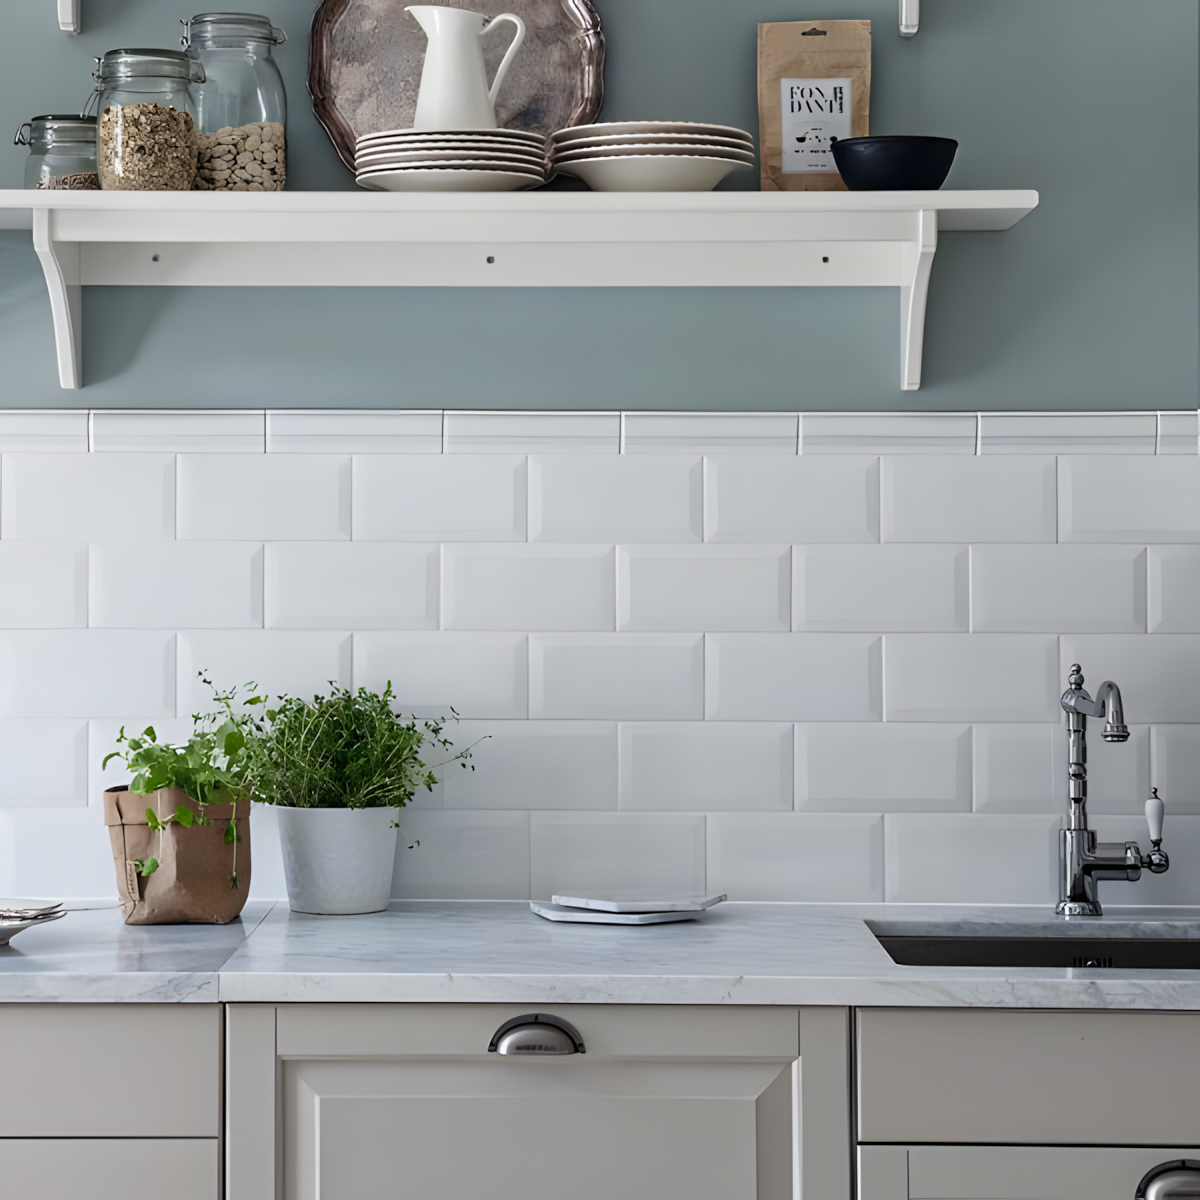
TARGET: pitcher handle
(510,54)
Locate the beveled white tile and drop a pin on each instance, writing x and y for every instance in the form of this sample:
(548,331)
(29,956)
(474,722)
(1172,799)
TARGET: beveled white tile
(448,498)
(1058,589)
(780,499)
(79,497)
(478,675)
(704,587)
(45,763)
(278,661)
(201,585)
(273,497)
(1118,773)
(623,855)
(533,432)
(883,768)
(1174,589)
(880,588)
(267,880)
(80,865)
(338,431)
(44,430)
(1175,767)
(797,857)
(961,498)
(614,498)
(1181,840)
(1020,768)
(501,586)
(617,676)
(888,433)
(1178,432)
(1068,433)
(1126,498)
(351,585)
(694,766)
(235,431)
(102,741)
(710,433)
(971,677)
(1155,672)
(971,858)
(44,585)
(792,677)
(533,764)
(462,856)
(87,673)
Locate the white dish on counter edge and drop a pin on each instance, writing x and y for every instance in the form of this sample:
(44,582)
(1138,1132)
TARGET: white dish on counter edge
(684,904)
(9,928)
(591,916)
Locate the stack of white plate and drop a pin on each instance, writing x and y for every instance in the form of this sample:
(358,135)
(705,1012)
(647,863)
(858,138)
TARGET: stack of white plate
(475,160)
(586,910)
(650,156)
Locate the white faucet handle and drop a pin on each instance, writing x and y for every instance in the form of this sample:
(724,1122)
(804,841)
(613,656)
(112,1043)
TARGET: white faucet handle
(1154,817)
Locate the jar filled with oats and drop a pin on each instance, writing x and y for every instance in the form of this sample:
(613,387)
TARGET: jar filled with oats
(241,107)
(147,131)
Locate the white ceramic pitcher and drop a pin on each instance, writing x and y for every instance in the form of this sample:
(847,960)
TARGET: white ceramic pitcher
(454,89)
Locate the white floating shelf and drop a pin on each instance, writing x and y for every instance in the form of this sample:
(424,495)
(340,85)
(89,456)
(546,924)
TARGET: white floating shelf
(515,239)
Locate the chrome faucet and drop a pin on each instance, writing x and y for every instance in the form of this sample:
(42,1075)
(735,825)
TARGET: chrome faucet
(1082,863)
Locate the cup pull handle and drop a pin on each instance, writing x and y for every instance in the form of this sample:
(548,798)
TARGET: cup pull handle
(510,53)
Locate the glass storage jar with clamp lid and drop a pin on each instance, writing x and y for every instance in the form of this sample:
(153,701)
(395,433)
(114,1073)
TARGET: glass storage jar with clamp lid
(62,153)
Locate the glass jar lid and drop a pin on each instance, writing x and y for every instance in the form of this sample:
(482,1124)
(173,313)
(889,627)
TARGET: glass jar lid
(52,129)
(153,64)
(225,28)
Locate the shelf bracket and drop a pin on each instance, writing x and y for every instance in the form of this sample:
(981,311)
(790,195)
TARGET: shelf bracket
(60,265)
(918,262)
(910,17)
(68,16)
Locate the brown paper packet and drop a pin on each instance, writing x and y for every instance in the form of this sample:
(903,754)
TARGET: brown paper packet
(806,53)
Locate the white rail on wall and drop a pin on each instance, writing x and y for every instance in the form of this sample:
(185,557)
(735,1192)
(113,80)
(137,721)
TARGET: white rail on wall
(69,20)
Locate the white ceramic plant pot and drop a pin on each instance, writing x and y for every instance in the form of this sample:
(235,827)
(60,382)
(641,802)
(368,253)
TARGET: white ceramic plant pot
(337,860)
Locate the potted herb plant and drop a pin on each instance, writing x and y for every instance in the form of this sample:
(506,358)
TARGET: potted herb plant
(180,829)
(337,768)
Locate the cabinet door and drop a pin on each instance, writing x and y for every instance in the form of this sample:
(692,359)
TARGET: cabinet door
(1007,1172)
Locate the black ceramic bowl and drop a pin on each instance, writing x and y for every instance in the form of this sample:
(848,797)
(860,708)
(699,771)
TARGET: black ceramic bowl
(894,163)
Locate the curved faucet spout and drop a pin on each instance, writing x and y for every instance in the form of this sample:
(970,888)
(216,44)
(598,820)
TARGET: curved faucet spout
(1107,704)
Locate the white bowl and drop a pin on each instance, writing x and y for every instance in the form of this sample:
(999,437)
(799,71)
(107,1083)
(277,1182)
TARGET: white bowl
(500,135)
(567,155)
(448,180)
(403,157)
(650,173)
(644,138)
(635,127)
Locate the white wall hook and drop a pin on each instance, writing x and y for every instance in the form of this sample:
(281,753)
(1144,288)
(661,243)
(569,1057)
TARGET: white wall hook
(910,17)
(68,16)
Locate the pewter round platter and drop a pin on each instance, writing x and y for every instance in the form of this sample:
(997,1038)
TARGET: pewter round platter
(365,59)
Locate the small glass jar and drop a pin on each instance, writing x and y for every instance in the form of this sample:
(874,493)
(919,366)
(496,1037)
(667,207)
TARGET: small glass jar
(62,153)
(147,129)
(241,107)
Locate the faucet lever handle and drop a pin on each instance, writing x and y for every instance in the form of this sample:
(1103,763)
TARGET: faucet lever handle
(1154,817)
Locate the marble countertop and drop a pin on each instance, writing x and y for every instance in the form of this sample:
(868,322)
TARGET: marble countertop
(499,952)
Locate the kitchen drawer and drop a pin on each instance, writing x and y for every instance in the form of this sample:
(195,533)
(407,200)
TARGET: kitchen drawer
(109,1168)
(1028,1077)
(110,1070)
(1007,1172)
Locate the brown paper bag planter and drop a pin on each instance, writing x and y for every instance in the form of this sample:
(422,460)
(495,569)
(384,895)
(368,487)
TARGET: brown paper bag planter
(192,883)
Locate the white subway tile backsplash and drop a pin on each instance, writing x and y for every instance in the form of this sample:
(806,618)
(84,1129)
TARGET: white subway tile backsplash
(45,763)
(52,496)
(533,765)
(888,433)
(533,432)
(740,588)
(1068,433)
(883,768)
(1058,589)
(445,497)
(1175,766)
(278,661)
(971,677)
(957,498)
(880,588)
(1020,768)
(971,858)
(1178,432)
(1181,840)
(44,430)
(351,585)
(319,431)
(43,585)
(87,673)
(706,765)
(610,676)
(55,853)
(539,587)
(796,857)
(462,856)
(1129,499)
(625,855)
(1174,589)
(272,497)
(202,585)
(1156,675)
(822,499)
(240,431)
(480,675)
(603,498)
(793,677)
(710,433)
(1118,773)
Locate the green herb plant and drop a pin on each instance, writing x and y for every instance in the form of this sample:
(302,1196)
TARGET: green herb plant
(213,767)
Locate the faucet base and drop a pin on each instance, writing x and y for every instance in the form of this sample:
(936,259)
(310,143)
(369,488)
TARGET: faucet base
(1079,908)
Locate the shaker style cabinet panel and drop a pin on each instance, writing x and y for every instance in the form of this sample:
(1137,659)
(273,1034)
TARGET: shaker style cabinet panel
(1029,1078)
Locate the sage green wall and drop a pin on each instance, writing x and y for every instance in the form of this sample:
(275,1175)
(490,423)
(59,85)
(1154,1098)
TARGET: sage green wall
(1090,303)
